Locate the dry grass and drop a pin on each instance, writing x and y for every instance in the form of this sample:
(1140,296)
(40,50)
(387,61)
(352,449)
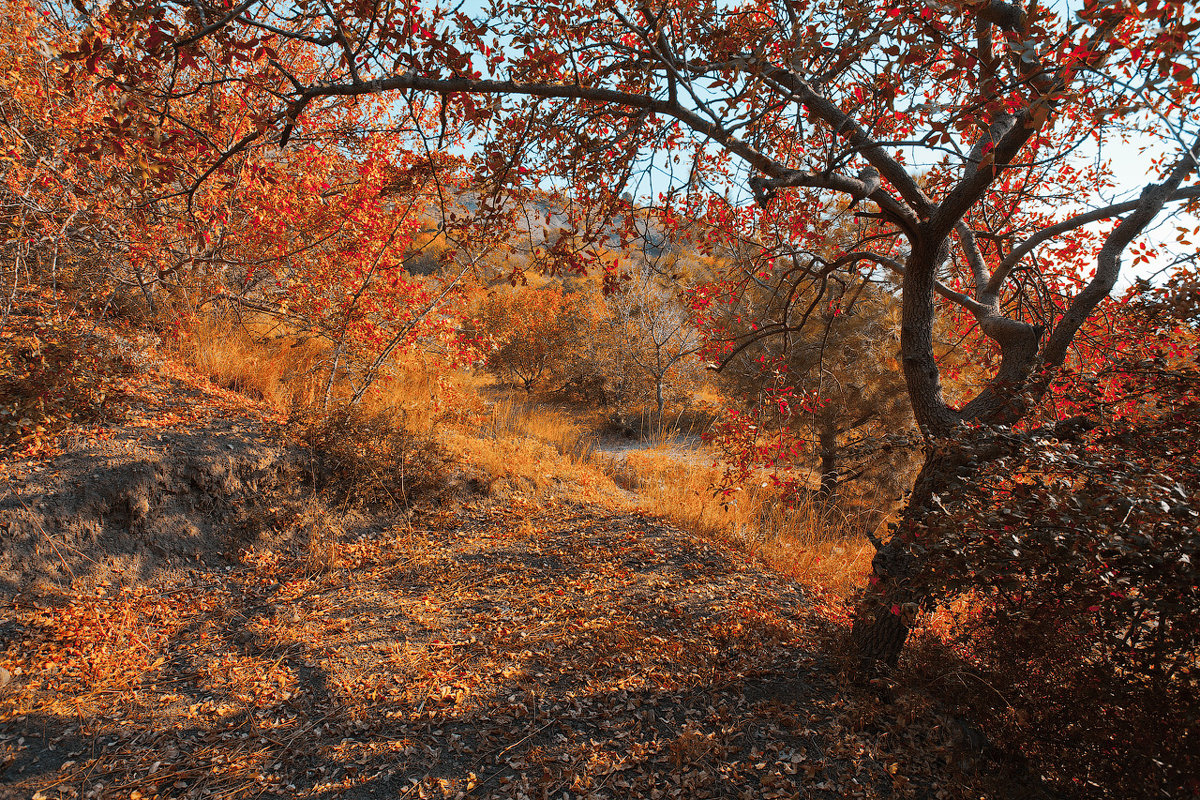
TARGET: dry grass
(260,358)
(249,357)
(426,394)
(530,445)
(511,416)
(370,457)
(816,544)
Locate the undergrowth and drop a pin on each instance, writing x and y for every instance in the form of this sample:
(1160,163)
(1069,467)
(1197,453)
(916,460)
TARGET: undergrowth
(370,457)
(251,357)
(819,544)
(55,371)
(418,427)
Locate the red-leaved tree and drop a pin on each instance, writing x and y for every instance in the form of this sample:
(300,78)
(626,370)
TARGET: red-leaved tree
(973,134)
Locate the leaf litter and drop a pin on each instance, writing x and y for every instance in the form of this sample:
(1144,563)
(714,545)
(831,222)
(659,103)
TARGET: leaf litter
(509,646)
(588,653)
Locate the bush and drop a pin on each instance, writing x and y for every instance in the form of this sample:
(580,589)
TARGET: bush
(55,371)
(369,457)
(1081,562)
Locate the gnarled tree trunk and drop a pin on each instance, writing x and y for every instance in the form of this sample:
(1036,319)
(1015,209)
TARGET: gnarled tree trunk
(1028,357)
(891,603)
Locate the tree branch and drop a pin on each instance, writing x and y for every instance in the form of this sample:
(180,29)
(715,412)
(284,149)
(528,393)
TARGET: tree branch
(1108,262)
(207,30)
(1045,234)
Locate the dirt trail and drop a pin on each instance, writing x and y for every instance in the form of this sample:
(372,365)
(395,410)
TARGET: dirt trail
(511,648)
(182,617)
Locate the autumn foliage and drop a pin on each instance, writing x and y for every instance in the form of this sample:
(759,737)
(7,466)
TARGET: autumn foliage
(54,374)
(1073,560)
(532,334)
(900,187)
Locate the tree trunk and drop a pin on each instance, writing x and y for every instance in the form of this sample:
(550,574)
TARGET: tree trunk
(827,444)
(891,604)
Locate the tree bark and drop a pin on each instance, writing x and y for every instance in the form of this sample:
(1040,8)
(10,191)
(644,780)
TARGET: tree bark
(892,602)
(827,444)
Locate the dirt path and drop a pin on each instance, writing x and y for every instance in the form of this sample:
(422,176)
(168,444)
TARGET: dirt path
(183,617)
(511,648)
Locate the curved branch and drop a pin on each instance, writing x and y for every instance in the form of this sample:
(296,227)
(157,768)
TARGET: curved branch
(865,186)
(956,297)
(979,271)
(238,147)
(784,328)
(564,91)
(1008,134)
(1045,234)
(1108,262)
(778,172)
(236,12)
(828,111)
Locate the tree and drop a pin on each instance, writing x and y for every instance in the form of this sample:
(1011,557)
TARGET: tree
(857,423)
(954,129)
(833,343)
(531,330)
(654,330)
(129,209)
(1079,556)
(53,196)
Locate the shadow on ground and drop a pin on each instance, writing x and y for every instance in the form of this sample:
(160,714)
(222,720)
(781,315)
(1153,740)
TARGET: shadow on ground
(513,648)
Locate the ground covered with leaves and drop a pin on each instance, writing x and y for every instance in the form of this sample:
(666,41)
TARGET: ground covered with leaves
(524,648)
(186,614)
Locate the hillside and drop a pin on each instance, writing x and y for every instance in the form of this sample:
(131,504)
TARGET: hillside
(187,616)
(574,399)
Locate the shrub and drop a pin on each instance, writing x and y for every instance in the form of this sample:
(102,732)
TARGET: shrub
(370,457)
(533,330)
(1082,564)
(55,370)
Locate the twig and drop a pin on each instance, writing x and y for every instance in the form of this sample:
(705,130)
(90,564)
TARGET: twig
(53,547)
(500,755)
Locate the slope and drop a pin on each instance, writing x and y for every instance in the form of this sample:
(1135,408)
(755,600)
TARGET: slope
(197,621)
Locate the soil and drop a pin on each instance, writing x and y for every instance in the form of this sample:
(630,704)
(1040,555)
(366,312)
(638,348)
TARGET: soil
(170,490)
(184,617)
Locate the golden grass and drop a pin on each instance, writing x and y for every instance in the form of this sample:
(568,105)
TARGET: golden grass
(529,445)
(512,416)
(282,370)
(816,544)
(424,395)
(290,371)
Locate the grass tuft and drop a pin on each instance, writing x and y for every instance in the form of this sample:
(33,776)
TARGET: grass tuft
(244,356)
